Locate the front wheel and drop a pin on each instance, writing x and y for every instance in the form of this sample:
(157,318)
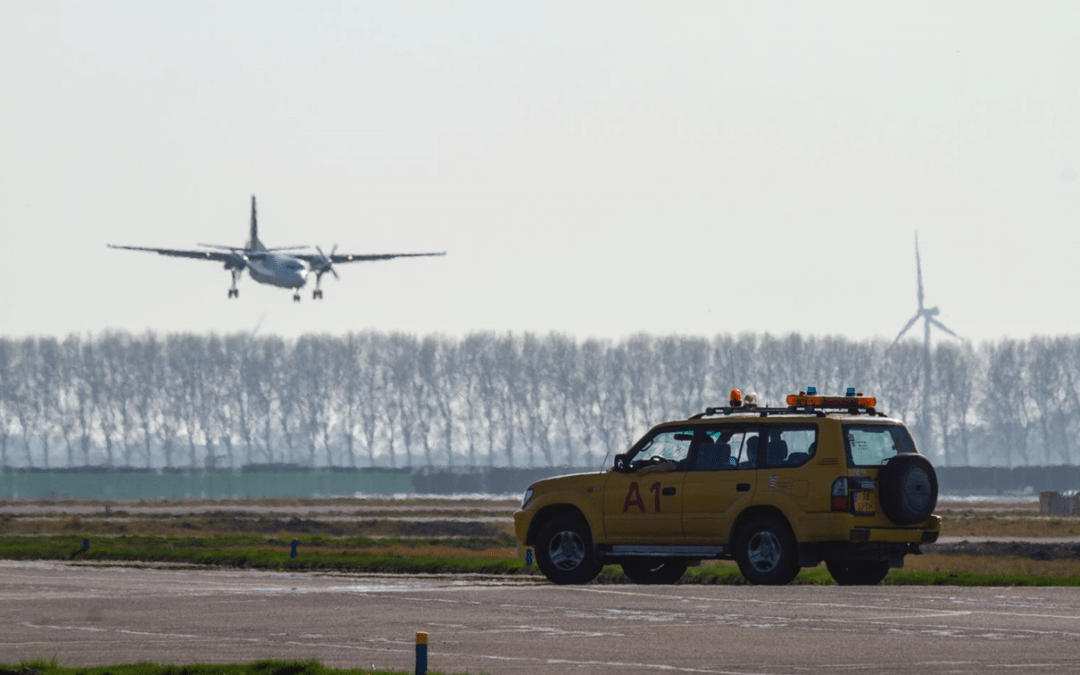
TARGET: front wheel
(564,551)
(765,551)
(654,571)
(858,572)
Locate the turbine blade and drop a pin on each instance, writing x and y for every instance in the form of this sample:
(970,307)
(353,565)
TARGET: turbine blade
(906,328)
(943,327)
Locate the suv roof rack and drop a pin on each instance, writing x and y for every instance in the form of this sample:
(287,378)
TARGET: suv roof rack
(798,404)
(818,411)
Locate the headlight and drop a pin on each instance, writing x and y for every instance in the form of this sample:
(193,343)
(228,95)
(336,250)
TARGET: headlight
(526,497)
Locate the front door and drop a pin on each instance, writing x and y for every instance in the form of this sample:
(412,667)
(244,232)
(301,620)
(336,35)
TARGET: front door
(645,505)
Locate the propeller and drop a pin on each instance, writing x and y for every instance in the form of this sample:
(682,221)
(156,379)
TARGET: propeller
(320,265)
(324,264)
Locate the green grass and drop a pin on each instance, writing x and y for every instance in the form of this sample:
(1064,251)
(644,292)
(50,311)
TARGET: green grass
(255,668)
(392,556)
(488,556)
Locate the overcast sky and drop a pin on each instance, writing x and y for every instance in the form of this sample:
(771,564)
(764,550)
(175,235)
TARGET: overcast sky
(592,168)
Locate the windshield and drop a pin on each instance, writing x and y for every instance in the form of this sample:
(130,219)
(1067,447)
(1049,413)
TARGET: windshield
(873,445)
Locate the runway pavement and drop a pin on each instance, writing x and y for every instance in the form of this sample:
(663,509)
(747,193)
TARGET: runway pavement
(90,615)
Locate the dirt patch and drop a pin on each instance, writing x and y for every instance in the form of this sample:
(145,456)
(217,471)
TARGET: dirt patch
(1024,549)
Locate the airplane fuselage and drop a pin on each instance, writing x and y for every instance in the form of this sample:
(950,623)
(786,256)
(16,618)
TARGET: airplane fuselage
(279,269)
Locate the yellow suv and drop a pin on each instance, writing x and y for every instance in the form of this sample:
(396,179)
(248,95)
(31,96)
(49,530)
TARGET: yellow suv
(827,478)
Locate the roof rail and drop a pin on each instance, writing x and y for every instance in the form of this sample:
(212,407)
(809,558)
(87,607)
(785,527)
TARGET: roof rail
(818,411)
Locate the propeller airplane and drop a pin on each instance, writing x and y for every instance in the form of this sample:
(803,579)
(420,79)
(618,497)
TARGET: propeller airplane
(274,266)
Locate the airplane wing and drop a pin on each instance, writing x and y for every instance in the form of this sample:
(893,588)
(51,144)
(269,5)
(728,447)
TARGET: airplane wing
(359,257)
(236,257)
(220,256)
(246,251)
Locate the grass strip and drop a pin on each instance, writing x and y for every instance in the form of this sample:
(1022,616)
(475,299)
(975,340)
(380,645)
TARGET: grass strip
(314,553)
(488,556)
(254,668)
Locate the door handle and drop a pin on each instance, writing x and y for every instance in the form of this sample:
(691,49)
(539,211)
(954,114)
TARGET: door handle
(742,487)
(668,491)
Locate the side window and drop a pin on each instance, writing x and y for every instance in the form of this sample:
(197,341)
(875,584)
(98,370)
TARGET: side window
(790,446)
(729,447)
(669,446)
(747,440)
(873,445)
(713,451)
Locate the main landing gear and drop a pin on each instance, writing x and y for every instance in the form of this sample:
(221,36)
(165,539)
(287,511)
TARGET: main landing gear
(321,265)
(234,292)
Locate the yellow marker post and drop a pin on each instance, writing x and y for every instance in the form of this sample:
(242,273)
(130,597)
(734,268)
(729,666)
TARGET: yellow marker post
(421,653)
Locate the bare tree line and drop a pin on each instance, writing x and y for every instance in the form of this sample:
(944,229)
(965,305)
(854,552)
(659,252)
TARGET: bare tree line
(397,400)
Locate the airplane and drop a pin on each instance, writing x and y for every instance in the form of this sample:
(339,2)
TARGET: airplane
(272,266)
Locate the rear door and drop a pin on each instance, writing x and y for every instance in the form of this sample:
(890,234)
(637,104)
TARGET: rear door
(788,471)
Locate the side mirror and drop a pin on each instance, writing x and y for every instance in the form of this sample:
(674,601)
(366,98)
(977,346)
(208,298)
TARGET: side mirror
(622,463)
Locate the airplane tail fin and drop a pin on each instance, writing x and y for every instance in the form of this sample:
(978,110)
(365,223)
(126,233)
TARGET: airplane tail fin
(253,240)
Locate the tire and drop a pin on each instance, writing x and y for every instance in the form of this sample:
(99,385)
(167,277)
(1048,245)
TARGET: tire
(908,489)
(858,572)
(765,551)
(564,551)
(654,570)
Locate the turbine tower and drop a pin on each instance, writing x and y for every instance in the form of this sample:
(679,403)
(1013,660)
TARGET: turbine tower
(928,315)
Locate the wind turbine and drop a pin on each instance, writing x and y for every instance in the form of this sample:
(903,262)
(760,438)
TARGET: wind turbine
(928,315)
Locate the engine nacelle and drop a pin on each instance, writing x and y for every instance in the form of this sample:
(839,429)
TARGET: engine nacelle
(235,261)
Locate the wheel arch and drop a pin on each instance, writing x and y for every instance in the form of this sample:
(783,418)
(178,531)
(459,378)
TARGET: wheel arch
(752,512)
(548,513)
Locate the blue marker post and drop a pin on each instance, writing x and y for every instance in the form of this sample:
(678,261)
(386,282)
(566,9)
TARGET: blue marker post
(292,553)
(86,543)
(421,653)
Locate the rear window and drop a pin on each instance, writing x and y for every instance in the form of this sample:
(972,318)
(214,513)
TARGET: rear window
(873,445)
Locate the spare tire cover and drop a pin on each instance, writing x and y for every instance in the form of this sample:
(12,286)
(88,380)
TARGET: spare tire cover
(908,488)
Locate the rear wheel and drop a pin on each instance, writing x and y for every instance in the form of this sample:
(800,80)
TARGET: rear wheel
(654,570)
(858,572)
(564,551)
(765,551)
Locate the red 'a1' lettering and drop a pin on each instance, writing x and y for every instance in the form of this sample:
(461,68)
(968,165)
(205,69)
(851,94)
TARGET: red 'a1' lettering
(655,490)
(633,498)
